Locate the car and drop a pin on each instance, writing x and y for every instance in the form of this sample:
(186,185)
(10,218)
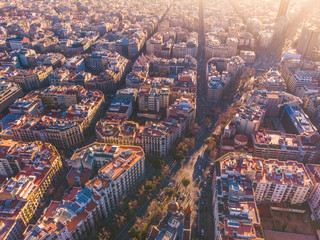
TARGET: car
(202,202)
(202,232)
(202,170)
(205,177)
(199,167)
(200,177)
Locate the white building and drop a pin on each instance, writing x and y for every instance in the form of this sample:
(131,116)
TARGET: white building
(314,200)
(265,38)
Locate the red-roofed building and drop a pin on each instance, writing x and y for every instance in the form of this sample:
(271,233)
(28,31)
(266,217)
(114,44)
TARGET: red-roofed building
(314,200)
(39,166)
(72,218)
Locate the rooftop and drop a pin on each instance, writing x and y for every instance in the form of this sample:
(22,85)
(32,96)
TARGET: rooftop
(264,171)
(118,158)
(276,139)
(300,120)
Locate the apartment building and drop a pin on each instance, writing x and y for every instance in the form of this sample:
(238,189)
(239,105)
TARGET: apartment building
(248,119)
(248,56)
(183,107)
(72,110)
(155,138)
(300,78)
(31,79)
(234,208)
(119,132)
(149,100)
(186,82)
(35,166)
(273,180)
(272,81)
(154,45)
(282,181)
(59,132)
(314,201)
(129,93)
(121,168)
(9,92)
(215,89)
(120,107)
(284,146)
(271,100)
(176,223)
(214,47)
(72,218)
(296,121)
(265,38)
(76,64)
(59,76)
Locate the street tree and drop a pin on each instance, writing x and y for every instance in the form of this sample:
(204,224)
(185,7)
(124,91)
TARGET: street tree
(185,182)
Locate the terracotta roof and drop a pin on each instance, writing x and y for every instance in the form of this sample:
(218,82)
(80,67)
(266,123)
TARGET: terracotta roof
(91,205)
(71,225)
(241,138)
(72,195)
(51,208)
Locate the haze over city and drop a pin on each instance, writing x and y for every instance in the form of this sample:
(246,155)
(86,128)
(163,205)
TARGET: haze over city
(159,120)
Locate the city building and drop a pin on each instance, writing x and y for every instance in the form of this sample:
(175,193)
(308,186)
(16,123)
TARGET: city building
(314,201)
(75,64)
(248,56)
(31,79)
(120,107)
(300,78)
(158,139)
(308,41)
(284,146)
(35,168)
(186,82)
(9,92)
(149,100)
(183,107)
(265,38)
(272,101)
(72,110)
(155,138)
(176,223)
(59,76)
(234,209)
(272,81)
(218,78)
(214,47)
(248,119)
(295,121)
(154,45)
(130,93)
(120,169)
(72,218)
(119,132)
(28,105)
(273,180)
